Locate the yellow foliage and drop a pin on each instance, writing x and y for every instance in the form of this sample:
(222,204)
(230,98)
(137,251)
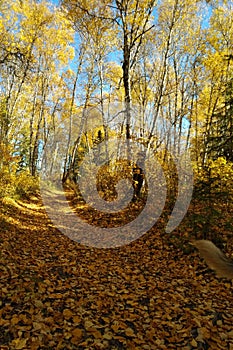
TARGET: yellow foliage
(219,172)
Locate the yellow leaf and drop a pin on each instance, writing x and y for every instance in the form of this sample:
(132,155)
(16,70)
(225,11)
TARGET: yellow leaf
(115,326)
(88,324)
(38,303)
(67,313)
(19,343)
(37,326)
(95,332)
(76,319)
(15,320)
(129,332)
(107,336)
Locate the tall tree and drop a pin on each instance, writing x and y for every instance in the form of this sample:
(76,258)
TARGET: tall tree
(214,106)
(131,20)
(41,34)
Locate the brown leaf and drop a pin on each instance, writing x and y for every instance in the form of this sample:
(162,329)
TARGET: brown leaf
(77,333)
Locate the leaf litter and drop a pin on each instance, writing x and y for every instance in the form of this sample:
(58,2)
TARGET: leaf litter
(58,294)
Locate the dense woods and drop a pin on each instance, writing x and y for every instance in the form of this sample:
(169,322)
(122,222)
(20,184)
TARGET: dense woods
(92,93)
(159,73)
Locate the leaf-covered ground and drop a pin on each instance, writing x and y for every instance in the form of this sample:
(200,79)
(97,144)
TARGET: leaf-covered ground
(58,294)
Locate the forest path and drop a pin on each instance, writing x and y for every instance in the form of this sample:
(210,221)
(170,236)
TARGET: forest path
(59,294)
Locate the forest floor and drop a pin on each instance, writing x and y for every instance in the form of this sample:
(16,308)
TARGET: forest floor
(59,294)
